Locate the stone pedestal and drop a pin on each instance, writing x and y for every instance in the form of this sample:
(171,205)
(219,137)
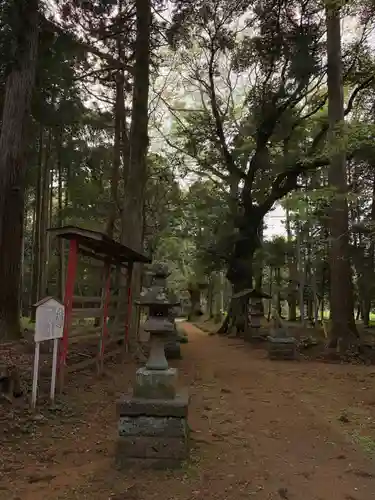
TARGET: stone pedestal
(154,384)
(282,348)
(152,427)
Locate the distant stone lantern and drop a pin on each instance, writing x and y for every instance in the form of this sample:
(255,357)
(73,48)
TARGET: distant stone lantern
(252,305)
(256,314)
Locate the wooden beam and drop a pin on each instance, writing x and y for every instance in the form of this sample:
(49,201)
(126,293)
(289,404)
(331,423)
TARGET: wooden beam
(80,365)
(92,300)
(88,312)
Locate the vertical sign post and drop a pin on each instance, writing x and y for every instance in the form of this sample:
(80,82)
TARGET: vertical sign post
(35,374)
(54,370)
(50,315)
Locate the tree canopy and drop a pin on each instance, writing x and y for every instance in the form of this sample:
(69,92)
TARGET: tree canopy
(176,127)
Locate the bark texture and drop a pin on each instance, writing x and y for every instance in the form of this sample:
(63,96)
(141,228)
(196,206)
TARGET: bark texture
(18,90)
(135,180)
(342,305)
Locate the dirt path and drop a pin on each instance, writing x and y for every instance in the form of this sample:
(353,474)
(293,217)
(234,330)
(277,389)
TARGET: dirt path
(261,430)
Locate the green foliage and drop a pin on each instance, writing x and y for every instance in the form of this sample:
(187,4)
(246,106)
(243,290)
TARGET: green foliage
(252,102)
(190,242)
(13,26)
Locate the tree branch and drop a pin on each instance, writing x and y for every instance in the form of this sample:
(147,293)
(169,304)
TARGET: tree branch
(267,127)
(211,168)
(286,181)
(233,169)
(362,86)
(53,27)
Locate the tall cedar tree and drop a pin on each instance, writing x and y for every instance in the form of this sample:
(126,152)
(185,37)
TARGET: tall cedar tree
(341,300)
(21,18)
(135,182)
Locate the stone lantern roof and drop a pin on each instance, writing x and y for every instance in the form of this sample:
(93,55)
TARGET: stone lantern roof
(157,296)
(156,324)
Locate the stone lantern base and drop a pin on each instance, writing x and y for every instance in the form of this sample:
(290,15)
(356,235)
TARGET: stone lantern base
(152,429)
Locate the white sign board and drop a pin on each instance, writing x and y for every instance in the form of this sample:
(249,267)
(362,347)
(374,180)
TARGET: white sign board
(49,323)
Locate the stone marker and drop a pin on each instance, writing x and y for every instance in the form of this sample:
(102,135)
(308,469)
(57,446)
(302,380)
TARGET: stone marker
(283,349)
(250,303)
(152,427)
(280,345)
(255,311)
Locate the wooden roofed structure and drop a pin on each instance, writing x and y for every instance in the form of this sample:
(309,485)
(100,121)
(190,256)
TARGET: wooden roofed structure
(98,246)
(250,315)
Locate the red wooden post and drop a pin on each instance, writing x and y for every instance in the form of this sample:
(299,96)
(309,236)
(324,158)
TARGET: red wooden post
(68,304)
(129,311)
(104,335)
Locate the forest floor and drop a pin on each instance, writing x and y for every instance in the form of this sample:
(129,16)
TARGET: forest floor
(260,429)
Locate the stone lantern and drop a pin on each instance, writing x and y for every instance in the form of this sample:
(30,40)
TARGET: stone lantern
(251,302)
(256,314)
(281,346)
(153,428)
(151,299)
(158,324)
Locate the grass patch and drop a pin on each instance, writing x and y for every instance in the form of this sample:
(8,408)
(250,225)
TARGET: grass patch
(366,443)
(27,323)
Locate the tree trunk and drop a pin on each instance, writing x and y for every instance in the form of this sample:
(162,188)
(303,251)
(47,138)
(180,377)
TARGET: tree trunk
(210,297)
(308,270)
(49,220)
(278,293)
(18,90)
(314,289)
(30,283)
(270,293)
(240,268)
(45,195)
(38,212)
(119,113)
(368,279)
(365,310)
(323,302)
(22,275)
(115,176)
(292,269)
(61,261)
(342,306)
(135,181)
(258,281)
(221,293)
(301,277)
(120,130)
